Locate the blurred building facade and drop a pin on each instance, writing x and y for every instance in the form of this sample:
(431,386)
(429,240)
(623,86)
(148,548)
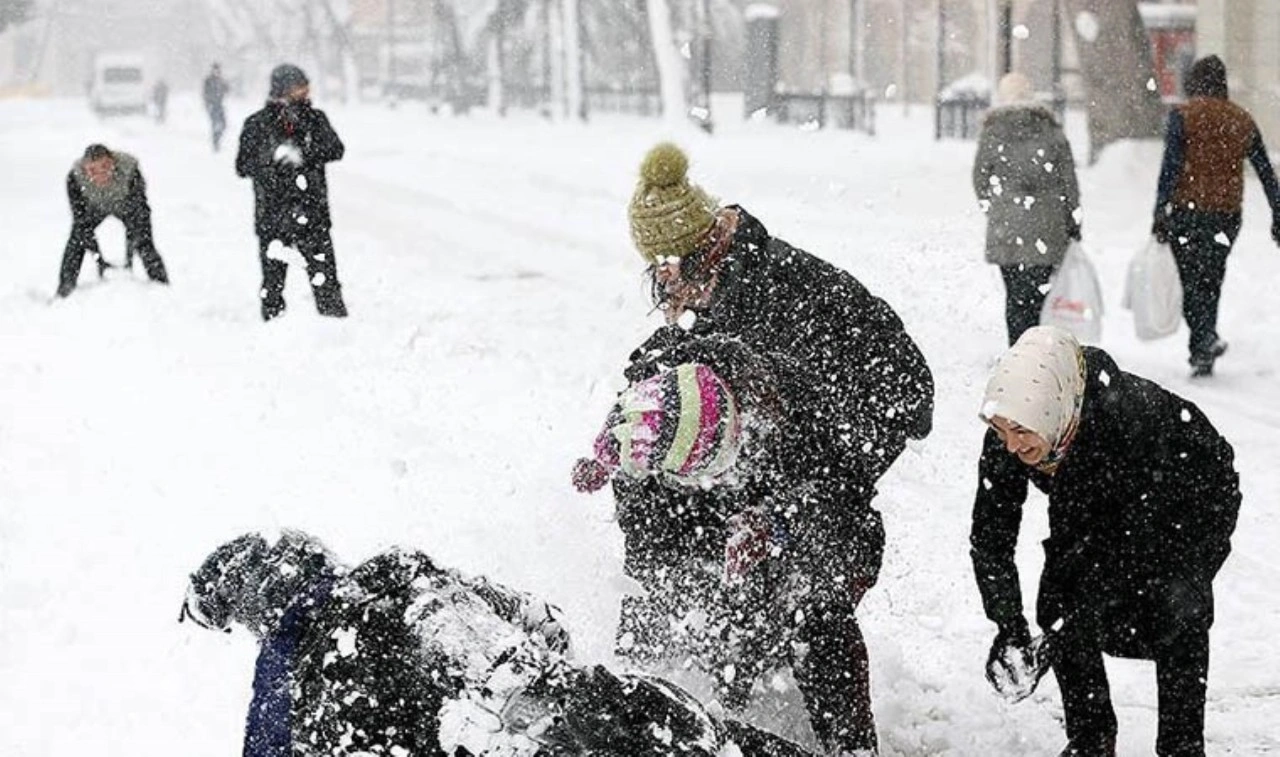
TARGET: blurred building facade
(54,51)
(1246,35)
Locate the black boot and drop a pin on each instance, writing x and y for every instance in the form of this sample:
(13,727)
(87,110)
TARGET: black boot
(1202,364)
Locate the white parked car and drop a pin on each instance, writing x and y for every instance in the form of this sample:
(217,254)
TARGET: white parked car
(119,84)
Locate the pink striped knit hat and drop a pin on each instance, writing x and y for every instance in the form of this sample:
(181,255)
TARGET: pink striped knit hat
(682,424)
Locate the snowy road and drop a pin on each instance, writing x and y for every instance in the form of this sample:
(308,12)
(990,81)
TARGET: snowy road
(494,296)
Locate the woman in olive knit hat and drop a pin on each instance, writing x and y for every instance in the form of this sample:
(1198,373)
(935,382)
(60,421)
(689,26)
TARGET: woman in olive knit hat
(717,273)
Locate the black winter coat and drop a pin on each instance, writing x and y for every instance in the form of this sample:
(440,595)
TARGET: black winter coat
(397,638)
(1144,502)
(853,388)
(290,201)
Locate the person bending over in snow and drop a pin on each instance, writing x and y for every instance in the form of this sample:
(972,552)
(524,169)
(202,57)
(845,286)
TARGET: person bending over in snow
(715,271)
(401,657)
(106,183)
(749,549)
(1143,497)
(284,148)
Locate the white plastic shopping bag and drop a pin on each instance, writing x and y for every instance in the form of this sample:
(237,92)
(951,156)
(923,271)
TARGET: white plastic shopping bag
(1074,302)
(1153,291)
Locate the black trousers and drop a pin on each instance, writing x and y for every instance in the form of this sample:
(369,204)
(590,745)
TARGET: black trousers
(138,241)
(1025,287)
(316,249)
(1201,242)
(1169,624)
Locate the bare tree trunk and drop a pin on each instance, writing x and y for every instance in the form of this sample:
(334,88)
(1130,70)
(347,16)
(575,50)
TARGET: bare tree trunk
(1115,55)
(670,67)
(346,56)
(575,77)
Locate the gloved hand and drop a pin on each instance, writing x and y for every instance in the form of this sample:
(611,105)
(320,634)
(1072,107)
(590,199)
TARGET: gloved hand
(1073,230)
(288,152)
(1275,231)
(589,475)
(1016,662)
(750,540)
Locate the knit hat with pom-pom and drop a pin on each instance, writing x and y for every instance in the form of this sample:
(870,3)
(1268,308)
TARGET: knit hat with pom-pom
(682,424)
(668,214)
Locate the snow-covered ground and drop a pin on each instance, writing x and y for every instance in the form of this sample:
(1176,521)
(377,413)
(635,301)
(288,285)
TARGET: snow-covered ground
(494,295)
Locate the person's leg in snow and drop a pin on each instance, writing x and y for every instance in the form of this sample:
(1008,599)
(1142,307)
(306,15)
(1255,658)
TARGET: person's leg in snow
(82,240)
(274,270)
(138,240)
(834,677)
(1026,288)
(1086,695)
(322,272)
(1201,243)
(1181,675)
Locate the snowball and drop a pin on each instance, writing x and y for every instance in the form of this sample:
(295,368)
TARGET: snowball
(301,182)
(345,639)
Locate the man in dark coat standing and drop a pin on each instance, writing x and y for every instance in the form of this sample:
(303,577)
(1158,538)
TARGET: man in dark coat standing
(1200,196)
(284,148)
(1143,498)
(107,183)
(718,273)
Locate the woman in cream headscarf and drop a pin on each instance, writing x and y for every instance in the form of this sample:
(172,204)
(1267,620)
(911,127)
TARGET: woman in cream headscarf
(1143,498)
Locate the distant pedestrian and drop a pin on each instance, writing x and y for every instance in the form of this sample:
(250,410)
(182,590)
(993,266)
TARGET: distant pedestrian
(284,148)
(1025,178)
(1199,198)
(215,92)
(105,183)
(160,98)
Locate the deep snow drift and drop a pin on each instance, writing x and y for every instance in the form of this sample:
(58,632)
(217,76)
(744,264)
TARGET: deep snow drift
(494,296)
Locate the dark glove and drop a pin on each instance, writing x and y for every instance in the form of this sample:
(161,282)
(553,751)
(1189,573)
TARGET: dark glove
(1018,662)
(1073,230)
(1010,661)
(1160,229)
(1275,231)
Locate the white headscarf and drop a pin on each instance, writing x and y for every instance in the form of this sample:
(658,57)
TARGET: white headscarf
(1038,383)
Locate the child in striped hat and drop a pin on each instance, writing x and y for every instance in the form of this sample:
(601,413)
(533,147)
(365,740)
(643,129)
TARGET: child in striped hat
(682,424)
